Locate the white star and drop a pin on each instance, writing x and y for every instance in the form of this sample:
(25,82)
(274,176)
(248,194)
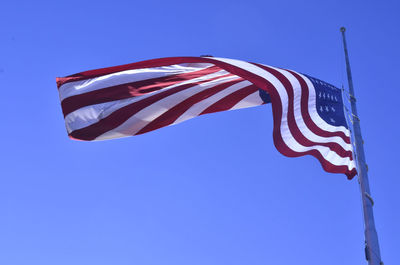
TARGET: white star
(323,95)
(332,120)
(333,109)
(326,107)
(321,109)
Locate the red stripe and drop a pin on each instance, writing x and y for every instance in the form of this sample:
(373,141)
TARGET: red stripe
(138,65)
(307,118)
(119,116)
(128,90)
(294,129)
(175,112)
(231,100)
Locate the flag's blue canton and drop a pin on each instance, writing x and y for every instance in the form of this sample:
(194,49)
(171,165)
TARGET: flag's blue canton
(329,102)
(264,96)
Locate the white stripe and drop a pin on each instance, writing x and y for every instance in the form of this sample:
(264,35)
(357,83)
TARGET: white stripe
(83,86)
(89,115)
(299,115)
(138,121)
(199,107)
(251,100)
(287,137)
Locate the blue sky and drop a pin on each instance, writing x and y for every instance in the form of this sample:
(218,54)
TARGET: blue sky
(212,190)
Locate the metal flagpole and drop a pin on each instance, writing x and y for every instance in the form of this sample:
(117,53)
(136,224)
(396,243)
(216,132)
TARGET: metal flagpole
(372,252)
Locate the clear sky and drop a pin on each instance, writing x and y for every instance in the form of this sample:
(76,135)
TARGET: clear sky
(209,191)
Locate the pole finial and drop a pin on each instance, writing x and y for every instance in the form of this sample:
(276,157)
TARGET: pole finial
(342,29)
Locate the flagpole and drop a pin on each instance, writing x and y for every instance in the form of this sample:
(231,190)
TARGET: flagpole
(372,252)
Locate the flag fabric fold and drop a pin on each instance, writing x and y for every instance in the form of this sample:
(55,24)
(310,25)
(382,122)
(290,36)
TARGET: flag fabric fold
(140,97)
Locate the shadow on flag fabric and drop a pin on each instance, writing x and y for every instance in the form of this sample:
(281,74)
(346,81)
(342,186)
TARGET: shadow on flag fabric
(141,97)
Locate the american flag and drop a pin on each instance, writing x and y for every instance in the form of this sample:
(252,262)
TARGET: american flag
(140,97)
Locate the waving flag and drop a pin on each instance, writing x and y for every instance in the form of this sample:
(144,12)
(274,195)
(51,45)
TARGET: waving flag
(137,98)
